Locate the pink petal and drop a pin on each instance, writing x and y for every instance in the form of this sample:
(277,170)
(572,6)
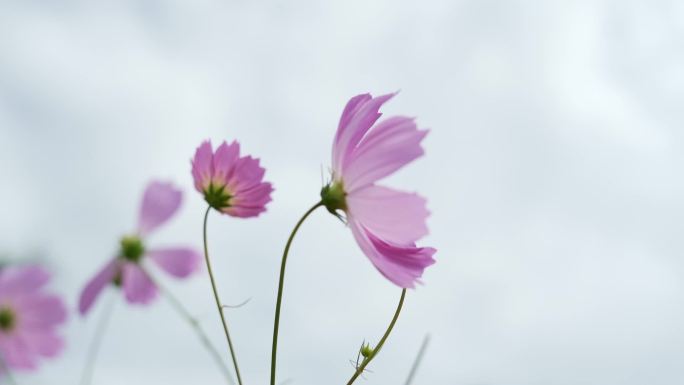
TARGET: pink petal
(96,284)
(249,194)
(342,134)
(350,110)
(402,265)
(22,279)
(250,202)
(179,262)
(359,115)
(202,166)
(388,146)
(246,174)
(15,352)
(392,215)
(224,162)
(43,343)
(137,285)
(259,194)
(244,212)
(160,202)
(41,312)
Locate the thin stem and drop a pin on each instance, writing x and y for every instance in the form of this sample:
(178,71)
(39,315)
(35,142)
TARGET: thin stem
(219,307)
(5,371)
(279,301)
(419,358)
(192,321)
(95,345)
(376,350)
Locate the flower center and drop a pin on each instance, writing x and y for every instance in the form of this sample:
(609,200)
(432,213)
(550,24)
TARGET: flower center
(7,319)
(333,197)
(132,248)
(217,197)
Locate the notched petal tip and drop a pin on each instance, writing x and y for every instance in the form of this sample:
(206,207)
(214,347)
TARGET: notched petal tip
(160,202)
(358,116)
(403,265)
(224,163)
(202,165)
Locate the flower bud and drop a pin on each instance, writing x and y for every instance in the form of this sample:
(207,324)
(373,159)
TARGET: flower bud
(366,350)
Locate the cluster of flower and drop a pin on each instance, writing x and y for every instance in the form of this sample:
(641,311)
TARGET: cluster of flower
(385,223)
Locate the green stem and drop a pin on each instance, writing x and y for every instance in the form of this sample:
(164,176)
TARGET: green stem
(94,349)
(419,358)
(192,321)
(376,350)
(219,307)
(279,301)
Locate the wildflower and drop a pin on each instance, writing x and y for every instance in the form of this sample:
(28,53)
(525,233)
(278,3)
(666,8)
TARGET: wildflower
(29,318)
(160,202)
(230,184)
(386,223)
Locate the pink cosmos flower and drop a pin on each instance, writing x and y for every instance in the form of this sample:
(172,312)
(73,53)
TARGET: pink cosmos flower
(386,223)
(29,318)
(230,183)
(160,202)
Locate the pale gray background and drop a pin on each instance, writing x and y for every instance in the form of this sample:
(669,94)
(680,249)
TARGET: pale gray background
(553,171)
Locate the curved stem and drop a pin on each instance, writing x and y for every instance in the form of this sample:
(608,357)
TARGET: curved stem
(219,307)
(94,348)
(192,321)
(279,301)
(376,350)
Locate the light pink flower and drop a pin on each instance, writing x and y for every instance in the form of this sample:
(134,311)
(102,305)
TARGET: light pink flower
(160,202)
(386,223)
(230,183)
(29,318)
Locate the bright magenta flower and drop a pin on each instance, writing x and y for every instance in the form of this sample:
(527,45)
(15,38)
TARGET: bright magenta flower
(160,202)
(29,318)
(231,184)
(386,223)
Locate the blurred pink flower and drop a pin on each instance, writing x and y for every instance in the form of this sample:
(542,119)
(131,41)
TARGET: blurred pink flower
(386,223)
(28,318)
(231,184)
(160,202)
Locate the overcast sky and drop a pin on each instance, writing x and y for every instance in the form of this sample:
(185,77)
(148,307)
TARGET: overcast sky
(553,171)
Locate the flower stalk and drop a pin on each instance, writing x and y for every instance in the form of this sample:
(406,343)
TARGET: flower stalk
(96,344)
(219,307)
(369,357)
(281,281)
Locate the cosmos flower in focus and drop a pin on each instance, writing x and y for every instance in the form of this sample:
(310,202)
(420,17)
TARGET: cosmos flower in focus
(386,223)
(230,183)
(29,318)
(160,202)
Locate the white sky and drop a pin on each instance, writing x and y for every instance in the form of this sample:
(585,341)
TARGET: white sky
(553,171)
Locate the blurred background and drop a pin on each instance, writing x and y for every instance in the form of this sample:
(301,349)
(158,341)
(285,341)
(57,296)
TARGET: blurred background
(553,173)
